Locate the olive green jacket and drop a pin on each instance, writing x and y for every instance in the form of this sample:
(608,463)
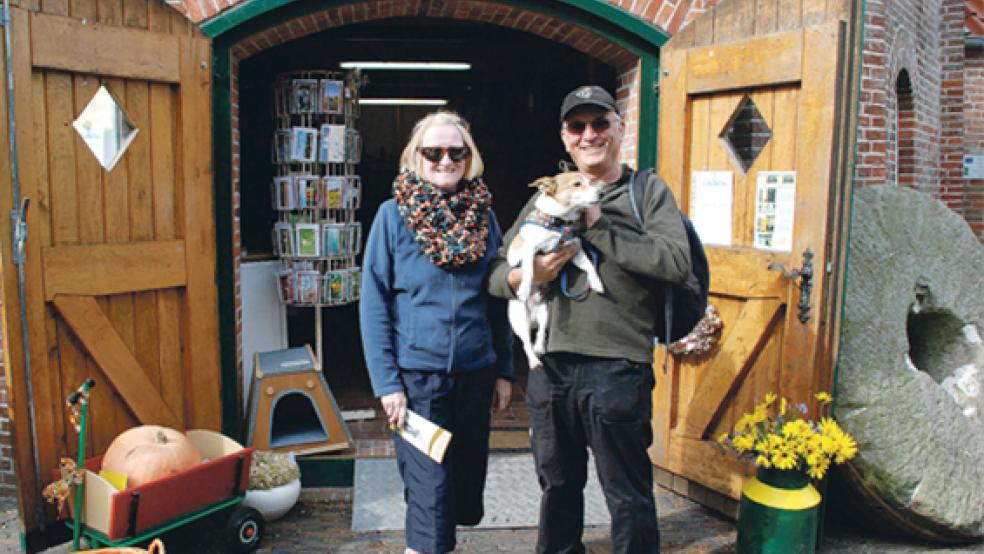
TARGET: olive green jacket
(621,322)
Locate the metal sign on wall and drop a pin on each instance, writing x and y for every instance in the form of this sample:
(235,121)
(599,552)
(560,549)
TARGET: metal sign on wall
(974,166)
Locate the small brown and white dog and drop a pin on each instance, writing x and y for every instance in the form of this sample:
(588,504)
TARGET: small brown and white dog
(549,226)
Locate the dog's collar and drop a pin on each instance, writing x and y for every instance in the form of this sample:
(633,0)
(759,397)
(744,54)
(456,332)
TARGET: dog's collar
(567,229)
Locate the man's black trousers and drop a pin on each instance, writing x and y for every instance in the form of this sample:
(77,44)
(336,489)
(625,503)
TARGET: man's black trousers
(577,402)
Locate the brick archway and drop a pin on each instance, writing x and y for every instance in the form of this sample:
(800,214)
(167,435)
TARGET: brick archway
(284,30)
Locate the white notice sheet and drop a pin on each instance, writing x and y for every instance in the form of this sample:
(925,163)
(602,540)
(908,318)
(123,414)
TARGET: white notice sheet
(711,199)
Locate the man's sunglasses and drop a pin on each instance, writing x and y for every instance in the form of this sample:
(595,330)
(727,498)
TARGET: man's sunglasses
(435,154)
(577,127)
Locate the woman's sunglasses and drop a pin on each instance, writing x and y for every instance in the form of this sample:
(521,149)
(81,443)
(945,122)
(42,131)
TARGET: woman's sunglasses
(435,154)
(599,125)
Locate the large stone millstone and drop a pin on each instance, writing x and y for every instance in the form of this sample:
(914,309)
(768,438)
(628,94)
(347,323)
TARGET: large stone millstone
(911,362)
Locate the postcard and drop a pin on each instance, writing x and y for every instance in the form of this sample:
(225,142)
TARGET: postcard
(304,95)
(355,237)
(285,286)
(354,284)
(303,144)
(283,239)
(281,146)
(336,287)
(334,192)
(334,238)
(331,96)
(283,193)
(306,286)
(307,190)
(353,146)
(332,144)
(307,241)
(353,192)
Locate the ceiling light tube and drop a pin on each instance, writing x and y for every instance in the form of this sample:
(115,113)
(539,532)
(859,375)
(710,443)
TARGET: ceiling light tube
(408,66)
(403,102)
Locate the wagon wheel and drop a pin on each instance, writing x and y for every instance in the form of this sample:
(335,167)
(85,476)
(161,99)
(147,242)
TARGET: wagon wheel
(244,530)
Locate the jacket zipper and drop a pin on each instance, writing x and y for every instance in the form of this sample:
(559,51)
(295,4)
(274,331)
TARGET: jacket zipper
(454,312)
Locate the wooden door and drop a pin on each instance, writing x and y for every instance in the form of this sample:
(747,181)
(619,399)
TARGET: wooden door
(792,80)
(120,262)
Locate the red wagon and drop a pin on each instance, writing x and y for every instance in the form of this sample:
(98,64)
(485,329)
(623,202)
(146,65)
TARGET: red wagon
(117,518)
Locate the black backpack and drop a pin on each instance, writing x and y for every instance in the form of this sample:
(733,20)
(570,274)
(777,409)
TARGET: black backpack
(683,307)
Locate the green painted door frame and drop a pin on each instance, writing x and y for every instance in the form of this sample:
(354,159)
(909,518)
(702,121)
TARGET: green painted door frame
(252,16)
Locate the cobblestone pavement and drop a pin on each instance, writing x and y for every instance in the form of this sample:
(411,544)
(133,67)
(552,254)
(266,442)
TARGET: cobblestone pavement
(320,523)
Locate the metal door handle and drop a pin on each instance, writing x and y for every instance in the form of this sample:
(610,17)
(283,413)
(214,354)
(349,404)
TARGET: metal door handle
(805,277)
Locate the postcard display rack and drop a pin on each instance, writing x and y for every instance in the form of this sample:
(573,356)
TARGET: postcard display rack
(316,190)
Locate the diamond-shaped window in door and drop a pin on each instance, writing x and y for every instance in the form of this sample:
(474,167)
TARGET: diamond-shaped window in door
(746,134)
(105,128)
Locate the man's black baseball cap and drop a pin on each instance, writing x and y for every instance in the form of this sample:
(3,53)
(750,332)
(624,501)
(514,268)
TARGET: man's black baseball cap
(587,96)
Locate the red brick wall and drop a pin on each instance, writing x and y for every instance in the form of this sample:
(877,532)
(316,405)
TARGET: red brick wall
(974,136)
(8,480)
(925,38)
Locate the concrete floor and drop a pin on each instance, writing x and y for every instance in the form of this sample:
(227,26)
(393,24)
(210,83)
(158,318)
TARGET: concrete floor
(320,523)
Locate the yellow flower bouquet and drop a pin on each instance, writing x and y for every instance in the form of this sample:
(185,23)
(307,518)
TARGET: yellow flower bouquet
(777,435)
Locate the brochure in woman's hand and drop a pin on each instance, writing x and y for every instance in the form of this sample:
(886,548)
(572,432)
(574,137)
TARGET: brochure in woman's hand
(425,436)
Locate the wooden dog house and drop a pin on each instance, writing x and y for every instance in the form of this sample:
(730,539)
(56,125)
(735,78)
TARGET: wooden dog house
(291,408)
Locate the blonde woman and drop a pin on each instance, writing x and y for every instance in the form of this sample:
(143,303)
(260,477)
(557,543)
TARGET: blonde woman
(434,341)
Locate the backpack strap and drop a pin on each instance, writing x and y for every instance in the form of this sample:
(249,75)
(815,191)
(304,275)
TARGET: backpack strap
(637,195)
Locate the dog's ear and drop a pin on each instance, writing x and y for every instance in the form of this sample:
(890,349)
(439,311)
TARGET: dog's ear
(547,184)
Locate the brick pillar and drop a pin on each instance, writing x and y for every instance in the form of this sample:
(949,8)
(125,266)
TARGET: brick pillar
(973,112)
(952,184)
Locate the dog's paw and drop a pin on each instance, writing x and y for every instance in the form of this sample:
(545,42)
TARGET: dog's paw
(539,350)
(535,363)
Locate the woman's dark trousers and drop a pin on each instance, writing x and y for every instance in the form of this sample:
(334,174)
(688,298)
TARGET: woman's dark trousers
(440,496)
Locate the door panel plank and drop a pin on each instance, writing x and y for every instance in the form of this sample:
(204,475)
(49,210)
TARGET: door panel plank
(149,56)
(113,268)
(722,106)
(784,125)
(201,317)
(47,386)
(760,379)
(162,115)
(111,12)
(766,16)
(108,348)
(746,337)
(141,191)
(764,61)
(671,158)
(744,272)
(707,464)
(135,13)
(83,9)
(790,14)
(55,7)
(61,167)
(818,98)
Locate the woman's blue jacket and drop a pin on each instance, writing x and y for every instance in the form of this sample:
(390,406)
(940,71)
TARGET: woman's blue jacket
(415,315)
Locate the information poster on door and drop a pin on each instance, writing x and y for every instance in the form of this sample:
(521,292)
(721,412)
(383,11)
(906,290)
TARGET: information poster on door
(774,209)
(711,200)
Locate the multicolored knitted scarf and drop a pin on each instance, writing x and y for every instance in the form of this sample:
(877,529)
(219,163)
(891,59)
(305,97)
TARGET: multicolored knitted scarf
(452,229)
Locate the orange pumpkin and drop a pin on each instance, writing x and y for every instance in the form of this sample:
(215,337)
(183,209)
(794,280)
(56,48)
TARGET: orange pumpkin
(149,452)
